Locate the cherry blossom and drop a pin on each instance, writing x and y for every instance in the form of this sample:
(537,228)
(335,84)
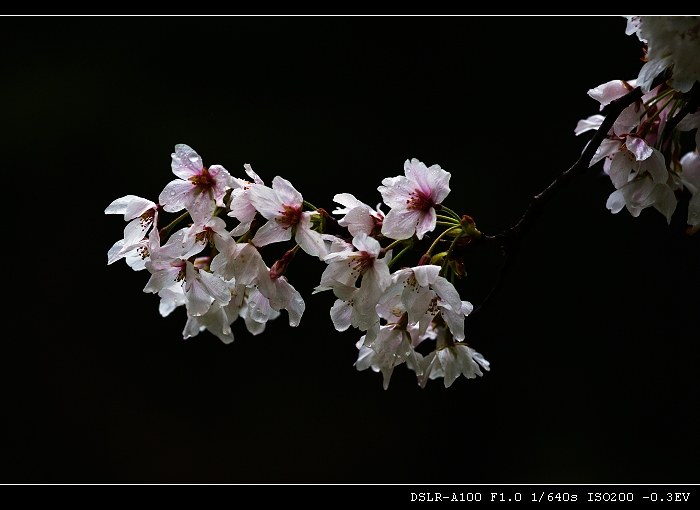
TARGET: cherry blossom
(279,294)
(140,253)
(239,261)
(450,360)
(358,216)
(214,261)
(171,298)
(640,176)
(240,204)
(211,232)
(425,294)
(141,214)
(412,198)
(282,206)
(198,189)
(168,268)
(673,42)
(391,347)
(344,268)
(635,150)
(215,320)
(247,312)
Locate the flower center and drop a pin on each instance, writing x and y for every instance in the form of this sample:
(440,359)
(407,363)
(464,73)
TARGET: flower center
(361,263)
(290,216)
(419,201)
(146,219)
(205,236)
(202,180)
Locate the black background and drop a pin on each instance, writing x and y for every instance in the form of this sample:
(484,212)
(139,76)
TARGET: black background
(592,340)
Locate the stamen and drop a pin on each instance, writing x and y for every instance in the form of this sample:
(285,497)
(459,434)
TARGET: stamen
(419,201)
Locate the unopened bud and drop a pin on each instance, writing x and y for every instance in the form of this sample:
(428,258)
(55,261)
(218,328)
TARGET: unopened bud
(469,226)
(438,258)
(280,266)
(424,260)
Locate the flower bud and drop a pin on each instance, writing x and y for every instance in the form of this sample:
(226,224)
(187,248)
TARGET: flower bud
(469,226)
(280,266)
(438,259)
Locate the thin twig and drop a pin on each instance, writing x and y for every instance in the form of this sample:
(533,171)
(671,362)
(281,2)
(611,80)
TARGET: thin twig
(510,239)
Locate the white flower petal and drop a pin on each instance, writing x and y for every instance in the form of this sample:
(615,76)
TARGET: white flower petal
(400,224)
(272,232)
(174,196)
(286,192)
(185,162)
(591,123)
(265,201)
(340,314)
(310,240)
(426,223)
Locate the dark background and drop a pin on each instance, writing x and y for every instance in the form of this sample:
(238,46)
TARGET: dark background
(592,340)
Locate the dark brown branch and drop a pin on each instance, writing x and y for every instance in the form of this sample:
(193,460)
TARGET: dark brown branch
(510,239)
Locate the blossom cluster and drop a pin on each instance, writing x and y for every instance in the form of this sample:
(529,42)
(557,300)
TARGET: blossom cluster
(210,258)
(642,153)
(213,265)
